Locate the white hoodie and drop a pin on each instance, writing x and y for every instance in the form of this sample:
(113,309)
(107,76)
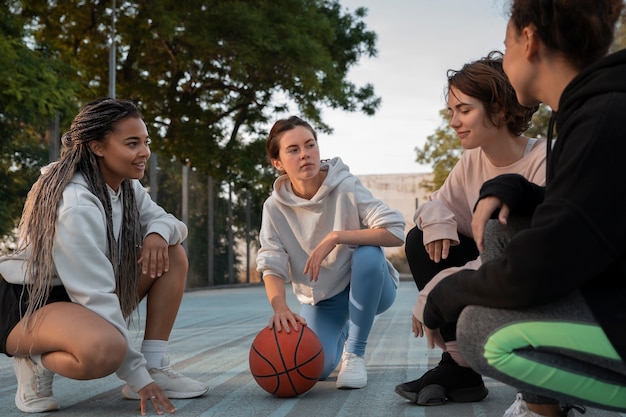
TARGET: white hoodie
(81,263)
(292,227)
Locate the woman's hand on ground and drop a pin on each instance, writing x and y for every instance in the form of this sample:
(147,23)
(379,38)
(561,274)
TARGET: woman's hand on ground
(152,393)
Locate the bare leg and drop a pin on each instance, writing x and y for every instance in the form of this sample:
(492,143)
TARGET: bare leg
(73,341)
(548,410)
(165,294)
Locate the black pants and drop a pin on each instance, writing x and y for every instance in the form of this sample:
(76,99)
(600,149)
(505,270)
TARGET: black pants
(423,269)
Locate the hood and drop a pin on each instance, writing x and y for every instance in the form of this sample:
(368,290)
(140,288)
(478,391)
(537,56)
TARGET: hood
(608,75)
(337,172)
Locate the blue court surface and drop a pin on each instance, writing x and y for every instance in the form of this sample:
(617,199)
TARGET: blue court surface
(211,341)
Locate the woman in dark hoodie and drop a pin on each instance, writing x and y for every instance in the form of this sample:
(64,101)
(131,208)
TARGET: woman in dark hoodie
(548,316)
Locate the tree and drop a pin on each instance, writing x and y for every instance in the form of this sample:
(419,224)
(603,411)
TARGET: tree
(207,71)
(441,150)
(210,75)
(32,89)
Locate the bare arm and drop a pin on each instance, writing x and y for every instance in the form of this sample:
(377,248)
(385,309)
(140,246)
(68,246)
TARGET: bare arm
(283,316)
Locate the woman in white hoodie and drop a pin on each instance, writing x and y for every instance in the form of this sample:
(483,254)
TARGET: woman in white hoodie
(92,246)
(323,231)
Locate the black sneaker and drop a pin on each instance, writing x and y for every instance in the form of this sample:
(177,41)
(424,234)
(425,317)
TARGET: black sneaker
(447,381)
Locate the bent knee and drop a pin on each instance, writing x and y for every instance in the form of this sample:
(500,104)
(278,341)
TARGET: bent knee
(178,258)
(104,356)
(367,257)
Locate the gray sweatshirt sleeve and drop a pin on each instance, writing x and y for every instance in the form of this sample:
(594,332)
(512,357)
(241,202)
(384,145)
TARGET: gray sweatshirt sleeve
(87,274)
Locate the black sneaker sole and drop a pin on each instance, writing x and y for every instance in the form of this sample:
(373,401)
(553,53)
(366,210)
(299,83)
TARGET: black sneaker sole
(430,395)
(436,395)
(468,395)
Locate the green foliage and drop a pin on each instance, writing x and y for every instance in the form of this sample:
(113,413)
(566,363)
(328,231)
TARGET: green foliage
(441,150)
(209,76)
(32,89)
(206,71)
(540,122)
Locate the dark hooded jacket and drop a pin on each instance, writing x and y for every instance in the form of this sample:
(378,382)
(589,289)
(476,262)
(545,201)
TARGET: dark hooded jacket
(577,240)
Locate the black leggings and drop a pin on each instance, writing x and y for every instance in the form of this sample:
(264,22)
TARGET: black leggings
(423,269)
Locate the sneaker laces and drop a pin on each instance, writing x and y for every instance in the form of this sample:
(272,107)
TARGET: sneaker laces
(167,370)
(43,380)
(350,362)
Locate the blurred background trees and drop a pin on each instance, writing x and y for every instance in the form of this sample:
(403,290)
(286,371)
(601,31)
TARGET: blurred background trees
(208,76)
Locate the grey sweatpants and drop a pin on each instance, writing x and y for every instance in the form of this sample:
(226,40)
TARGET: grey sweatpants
(554,351)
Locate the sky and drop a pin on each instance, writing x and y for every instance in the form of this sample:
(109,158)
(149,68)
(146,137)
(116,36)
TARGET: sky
(418,41)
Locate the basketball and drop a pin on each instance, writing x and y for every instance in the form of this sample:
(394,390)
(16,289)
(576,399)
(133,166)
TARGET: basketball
(286,364)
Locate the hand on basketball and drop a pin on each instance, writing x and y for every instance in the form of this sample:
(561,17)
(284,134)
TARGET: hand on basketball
(286,319)
(154,258)
(152,393)
(438,249)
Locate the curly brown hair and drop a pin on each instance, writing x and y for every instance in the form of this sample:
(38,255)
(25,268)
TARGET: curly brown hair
(485,80)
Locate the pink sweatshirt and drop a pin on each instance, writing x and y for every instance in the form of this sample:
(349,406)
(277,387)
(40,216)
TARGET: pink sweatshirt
(449,210)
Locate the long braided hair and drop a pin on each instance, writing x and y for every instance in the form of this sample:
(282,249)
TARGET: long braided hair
(37,226)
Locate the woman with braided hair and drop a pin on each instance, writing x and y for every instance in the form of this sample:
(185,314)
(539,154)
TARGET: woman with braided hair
(92,245)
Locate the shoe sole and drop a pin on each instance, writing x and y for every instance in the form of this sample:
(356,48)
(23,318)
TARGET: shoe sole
(468,395)
(436,395)
(26,409)
(429,395)
(352,384)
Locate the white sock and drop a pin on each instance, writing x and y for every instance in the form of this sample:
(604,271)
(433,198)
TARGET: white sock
(154,352)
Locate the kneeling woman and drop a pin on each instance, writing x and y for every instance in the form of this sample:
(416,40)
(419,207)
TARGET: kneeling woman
(92,246)
(323,231)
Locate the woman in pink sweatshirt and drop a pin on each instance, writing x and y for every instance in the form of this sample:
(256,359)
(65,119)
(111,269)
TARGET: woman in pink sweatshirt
(489,121)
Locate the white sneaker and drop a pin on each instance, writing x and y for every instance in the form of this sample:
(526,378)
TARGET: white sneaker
(34,386)
(352,373)
(174,384)
(520,409)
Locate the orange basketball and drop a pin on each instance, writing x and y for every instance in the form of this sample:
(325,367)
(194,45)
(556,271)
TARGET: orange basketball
(286,364)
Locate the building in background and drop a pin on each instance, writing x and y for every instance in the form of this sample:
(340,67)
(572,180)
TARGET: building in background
(402,192)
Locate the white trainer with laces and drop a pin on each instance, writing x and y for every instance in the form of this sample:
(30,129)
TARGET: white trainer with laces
(174,384)
(520,409)
(34,386)
(352,373)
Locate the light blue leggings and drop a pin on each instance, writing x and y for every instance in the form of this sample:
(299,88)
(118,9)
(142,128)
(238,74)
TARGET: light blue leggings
(349,315)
